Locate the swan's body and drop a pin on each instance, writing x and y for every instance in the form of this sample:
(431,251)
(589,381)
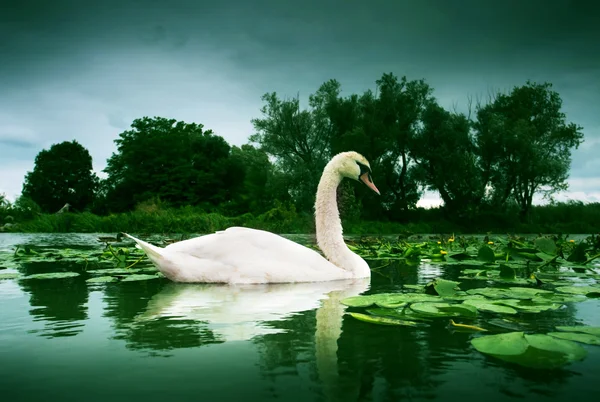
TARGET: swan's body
(244,255)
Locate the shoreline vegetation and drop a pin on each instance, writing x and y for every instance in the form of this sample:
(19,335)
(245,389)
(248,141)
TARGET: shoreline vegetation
(566,218)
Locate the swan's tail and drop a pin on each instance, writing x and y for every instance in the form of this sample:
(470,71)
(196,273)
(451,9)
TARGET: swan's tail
(153,252)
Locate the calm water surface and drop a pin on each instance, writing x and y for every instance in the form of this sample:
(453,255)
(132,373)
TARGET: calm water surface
(67,340)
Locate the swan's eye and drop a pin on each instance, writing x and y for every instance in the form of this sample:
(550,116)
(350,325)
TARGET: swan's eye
(363,169)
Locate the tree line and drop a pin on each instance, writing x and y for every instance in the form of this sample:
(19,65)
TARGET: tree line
(496,156)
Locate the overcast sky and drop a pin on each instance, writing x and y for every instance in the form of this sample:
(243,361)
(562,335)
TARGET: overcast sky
(74,71)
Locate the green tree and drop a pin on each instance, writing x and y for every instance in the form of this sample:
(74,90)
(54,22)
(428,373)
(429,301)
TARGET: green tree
(177,162)
(446,157)
(381,127)
(525,144)
(262,182)
(298,142)
(62,174)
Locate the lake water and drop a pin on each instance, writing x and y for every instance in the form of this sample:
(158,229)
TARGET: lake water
(68,340)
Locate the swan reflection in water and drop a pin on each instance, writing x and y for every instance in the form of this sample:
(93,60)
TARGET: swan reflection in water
(238,313)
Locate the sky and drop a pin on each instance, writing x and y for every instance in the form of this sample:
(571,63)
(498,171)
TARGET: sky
(71,70)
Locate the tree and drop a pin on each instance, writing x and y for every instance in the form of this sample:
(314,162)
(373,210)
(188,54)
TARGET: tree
(381,127)
(297,140)
(445,155)
(262,182)
(525,144)
(62,174)
(177,162)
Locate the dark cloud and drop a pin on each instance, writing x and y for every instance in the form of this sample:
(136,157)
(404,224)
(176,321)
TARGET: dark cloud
(72,69)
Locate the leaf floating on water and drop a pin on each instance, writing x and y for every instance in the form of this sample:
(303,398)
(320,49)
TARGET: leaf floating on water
(581,328)
(509,344)
(577,290)
(486,254)
(139,277)
(546,245)
(53,275)
(432,309)
(534,351)
(442,287)
(102,279)
(490,307)
(462,309)
(390,299)
(385,305)
(577,337)
(382,320)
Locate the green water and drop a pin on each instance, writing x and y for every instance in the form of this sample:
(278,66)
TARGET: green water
(67,340)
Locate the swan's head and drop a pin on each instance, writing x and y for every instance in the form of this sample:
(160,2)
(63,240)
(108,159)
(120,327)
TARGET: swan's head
(354,166)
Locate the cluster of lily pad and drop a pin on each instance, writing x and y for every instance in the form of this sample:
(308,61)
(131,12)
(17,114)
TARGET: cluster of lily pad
(107,265)
(493,309)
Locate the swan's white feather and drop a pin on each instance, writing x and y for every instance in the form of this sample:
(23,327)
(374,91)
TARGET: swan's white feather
(241,255)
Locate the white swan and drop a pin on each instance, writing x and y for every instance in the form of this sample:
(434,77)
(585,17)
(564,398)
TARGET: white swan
(243,255)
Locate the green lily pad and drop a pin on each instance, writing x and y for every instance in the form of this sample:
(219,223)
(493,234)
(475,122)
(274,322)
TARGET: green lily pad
(382,320)
(492,293)
(577,337)
(509,344)
(442,287)
(385,305)
(546,245)
(462,309)
(534,351)
(102,279)
(577,290)
(486,254)
(53,275)
(432,309)
(389,299)
(490,307)
(139,277)
(581,328)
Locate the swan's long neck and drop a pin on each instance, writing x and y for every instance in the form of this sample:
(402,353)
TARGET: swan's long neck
(329,226)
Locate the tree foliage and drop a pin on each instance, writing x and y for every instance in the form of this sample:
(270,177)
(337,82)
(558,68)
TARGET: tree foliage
(62,174)
(178,162)
(525,144)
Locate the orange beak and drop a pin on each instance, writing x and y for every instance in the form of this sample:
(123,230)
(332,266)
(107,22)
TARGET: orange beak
(366,178)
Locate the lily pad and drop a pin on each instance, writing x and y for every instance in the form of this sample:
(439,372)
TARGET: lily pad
(385,305)
(509,344)
(389,299)
(102,279)
(53,275)
(486,254)
(534,351)
(139,277)
(577,337)
(442,287)
(382,320)
(546,245)
(577,290)
(581,328)
(432,309)
(490,307)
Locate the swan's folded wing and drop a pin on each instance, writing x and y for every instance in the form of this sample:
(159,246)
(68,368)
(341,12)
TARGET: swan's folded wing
(259,256)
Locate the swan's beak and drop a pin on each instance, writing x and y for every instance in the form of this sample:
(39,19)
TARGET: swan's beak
(366,178)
